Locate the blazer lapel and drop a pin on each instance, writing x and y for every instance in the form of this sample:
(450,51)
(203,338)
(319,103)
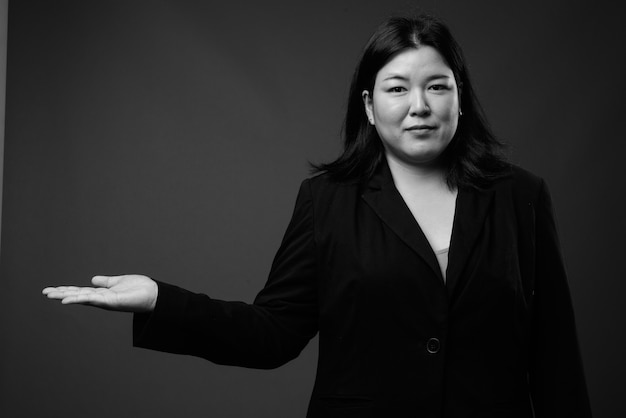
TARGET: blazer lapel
(472,207)
(471,210)
(383,197)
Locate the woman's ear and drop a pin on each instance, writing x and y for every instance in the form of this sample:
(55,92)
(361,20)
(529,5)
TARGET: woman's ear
(460,93)
(367,104)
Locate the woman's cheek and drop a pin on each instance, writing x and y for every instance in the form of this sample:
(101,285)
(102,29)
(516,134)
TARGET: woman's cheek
(393,110)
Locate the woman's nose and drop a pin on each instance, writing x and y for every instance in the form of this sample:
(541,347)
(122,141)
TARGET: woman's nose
(419,104)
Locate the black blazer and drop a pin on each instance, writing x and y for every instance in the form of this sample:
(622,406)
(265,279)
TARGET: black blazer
(498,339)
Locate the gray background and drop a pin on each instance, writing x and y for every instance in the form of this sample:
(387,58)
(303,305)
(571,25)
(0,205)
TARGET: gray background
(4,15)
(169,138)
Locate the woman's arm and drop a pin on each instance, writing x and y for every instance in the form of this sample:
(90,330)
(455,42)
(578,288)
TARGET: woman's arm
(265,334)
(556,377)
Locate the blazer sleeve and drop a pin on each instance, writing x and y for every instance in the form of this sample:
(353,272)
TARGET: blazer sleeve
(556,376)
(265,334)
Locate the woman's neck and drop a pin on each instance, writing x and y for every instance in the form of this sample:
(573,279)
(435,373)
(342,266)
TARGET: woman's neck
(417,177)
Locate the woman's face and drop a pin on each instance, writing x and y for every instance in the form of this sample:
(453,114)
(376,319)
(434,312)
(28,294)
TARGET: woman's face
(414,106)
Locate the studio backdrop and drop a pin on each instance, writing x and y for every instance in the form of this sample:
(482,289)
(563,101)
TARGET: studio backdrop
(169,138)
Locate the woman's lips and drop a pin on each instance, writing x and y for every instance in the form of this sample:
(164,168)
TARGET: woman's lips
(420,128)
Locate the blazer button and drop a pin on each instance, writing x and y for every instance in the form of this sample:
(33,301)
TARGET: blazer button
(433,345)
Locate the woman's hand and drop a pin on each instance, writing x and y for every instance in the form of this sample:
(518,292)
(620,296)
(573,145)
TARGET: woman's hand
(129,293)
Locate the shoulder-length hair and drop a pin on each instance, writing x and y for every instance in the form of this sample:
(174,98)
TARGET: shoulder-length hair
(474,155)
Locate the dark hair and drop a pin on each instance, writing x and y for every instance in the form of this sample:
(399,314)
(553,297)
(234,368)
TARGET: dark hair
(474,155)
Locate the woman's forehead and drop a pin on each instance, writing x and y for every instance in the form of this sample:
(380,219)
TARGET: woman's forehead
(422,62)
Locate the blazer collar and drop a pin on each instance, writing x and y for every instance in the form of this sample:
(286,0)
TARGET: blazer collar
(472,206)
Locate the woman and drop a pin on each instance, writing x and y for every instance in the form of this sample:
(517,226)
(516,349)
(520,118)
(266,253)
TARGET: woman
(430,267)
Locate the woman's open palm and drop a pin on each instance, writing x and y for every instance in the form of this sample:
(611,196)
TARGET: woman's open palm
(128,293)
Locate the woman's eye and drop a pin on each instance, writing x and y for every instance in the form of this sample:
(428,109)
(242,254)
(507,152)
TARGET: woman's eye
(396,89)
(438,87)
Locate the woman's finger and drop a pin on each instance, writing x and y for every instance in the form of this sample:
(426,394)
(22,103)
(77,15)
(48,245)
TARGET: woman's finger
(58,293)
(90,298)
(67,288)
(55,289)
(105,281)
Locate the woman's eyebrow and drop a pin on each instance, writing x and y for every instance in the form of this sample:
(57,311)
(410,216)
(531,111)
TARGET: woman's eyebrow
(437,76)
(405,78)
(396,77)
